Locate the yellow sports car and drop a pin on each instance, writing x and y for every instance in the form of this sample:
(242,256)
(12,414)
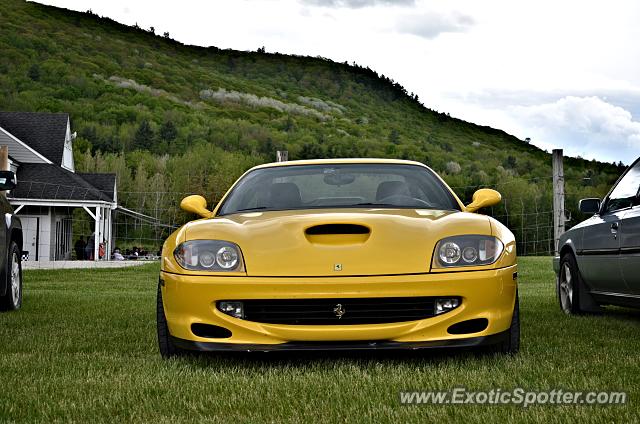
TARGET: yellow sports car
(339,254)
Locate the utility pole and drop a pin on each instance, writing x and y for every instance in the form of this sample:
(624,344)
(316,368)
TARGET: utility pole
(558,197)
(282,156)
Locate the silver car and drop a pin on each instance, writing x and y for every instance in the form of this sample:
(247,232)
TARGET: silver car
(599,259)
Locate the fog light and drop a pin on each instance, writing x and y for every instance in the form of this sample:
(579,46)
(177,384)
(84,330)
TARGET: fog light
(445,305)
(234,309)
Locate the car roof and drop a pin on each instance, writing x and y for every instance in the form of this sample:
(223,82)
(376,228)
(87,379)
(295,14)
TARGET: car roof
(339,161)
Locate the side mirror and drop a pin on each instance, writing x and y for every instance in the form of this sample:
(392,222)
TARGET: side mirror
(8,180)
(483,198)
(196,204)
(589,206)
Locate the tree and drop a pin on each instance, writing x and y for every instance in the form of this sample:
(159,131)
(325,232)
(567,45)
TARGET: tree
(269,147)
(311,150)
(289,125)
(34,72)
(166,34)
(587,178)
(152,30)
(394,136)
(168,131)
(453,168)
(510,162)
(143,138)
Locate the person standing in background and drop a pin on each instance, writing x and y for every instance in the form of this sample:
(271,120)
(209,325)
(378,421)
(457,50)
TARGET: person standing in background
(101,249)
(79,248)
(89,247)
(117,256)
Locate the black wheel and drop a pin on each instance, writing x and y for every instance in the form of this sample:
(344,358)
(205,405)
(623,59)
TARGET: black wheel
(568,285)
(511,344)
(165,345)
(12,299)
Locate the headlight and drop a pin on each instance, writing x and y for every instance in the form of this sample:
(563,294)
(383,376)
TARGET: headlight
(209,255)
(467,251)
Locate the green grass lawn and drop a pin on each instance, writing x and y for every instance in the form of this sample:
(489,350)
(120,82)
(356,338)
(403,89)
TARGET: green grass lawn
(83,348)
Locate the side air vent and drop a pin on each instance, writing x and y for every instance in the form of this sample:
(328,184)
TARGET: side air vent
(469,326)
(337,229)
(210,331)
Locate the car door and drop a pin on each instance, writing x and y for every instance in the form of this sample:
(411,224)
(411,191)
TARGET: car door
(603,241)
(5,209)
(599,258)
(630,229)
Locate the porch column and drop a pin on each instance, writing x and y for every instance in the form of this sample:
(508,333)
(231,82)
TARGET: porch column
(112,240)
(96,234)
(107,231)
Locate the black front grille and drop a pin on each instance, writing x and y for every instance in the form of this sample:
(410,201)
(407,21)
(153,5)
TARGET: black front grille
(342,311)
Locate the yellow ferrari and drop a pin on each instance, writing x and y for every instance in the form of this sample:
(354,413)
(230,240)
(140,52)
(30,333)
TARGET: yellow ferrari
(339,254)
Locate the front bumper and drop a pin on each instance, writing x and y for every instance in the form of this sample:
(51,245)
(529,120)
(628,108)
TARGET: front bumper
(320,346)
(486,294)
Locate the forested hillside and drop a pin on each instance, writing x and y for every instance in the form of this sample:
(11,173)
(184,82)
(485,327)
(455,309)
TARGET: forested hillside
(174,118)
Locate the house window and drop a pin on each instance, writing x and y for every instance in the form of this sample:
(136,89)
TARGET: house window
(63,239)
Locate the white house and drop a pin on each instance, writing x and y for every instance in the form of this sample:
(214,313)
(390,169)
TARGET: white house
(41,153)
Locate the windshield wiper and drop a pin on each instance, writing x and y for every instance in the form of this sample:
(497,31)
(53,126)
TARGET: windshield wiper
(391,205)
(376,204)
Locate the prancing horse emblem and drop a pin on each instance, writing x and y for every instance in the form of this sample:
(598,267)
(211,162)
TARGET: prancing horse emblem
(339,310)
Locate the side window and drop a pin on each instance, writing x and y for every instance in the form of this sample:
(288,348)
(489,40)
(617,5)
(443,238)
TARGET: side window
(625,194)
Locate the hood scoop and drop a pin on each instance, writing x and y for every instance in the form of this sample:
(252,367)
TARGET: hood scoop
(337,234)
(326,229)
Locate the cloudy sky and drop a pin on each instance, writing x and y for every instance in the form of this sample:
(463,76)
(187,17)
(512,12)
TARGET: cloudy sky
(564,73)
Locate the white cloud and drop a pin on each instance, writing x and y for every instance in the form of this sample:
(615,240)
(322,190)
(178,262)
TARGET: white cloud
(431,24)
(355,4)
(585,126)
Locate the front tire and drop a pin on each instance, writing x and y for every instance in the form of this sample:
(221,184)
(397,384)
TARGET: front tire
(568,285)
(165,344)
(12,299)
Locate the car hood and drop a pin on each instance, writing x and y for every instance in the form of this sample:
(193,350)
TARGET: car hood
(338,242)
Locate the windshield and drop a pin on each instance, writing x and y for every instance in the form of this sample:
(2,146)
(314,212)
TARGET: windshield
(338,186)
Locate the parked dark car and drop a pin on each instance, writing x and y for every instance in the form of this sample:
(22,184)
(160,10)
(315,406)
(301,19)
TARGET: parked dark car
(10,250)
(599,260)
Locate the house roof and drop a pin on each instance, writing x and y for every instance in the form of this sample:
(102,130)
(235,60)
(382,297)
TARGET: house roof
(106,183)
(42,131)
(52,182)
